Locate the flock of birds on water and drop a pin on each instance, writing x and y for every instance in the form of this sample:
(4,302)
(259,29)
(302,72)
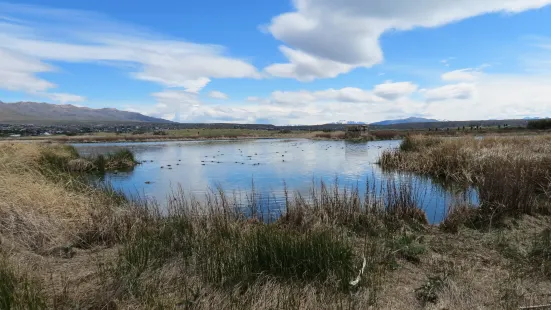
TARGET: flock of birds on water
(215,159)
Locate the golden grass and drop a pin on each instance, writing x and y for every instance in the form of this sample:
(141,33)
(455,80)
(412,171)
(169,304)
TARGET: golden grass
(37,211)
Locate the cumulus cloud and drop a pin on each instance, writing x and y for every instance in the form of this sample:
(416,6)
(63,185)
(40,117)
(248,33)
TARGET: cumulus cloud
(32,37)
(461,91)
(305,67)
(218,95)
(490,96)
(342,35)
(393,91)
(347,94)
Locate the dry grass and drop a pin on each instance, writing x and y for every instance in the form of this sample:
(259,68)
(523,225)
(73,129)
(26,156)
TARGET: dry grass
(39,208)
(67,245)
(512,174)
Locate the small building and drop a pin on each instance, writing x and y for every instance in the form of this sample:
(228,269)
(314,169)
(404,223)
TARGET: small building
(15,136)
(356,131)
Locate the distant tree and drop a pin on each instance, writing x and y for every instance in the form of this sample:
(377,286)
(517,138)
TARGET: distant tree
(540,124)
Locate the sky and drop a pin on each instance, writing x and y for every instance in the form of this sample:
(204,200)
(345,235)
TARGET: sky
(282,61)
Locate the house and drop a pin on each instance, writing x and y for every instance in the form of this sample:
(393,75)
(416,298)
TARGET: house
(356,131)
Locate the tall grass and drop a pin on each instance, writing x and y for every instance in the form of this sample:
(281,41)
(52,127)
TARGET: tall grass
(540,253)
(512,174)
(18,291)
(320,241)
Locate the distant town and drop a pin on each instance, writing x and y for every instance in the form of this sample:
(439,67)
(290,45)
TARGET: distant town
(83,128)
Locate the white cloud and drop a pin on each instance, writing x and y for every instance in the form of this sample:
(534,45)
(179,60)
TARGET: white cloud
(305,67)
(33,36)
(490,96)
(342,35)
(461,91)
(17,72)
(218,95)
(63,98)
(393,91)
(463,75)
(347,94)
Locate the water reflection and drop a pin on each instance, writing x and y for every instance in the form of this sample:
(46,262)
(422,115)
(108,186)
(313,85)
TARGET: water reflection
(197,166)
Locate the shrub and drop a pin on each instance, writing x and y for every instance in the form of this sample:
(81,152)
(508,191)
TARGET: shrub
(408,247)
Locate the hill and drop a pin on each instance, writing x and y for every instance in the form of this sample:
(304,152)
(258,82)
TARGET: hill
(405,121)
(21,112)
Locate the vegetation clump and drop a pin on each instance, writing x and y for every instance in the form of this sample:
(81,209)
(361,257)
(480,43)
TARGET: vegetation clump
(511,174)
(70,160)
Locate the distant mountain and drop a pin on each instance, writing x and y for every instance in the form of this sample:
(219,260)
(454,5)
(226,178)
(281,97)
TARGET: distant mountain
(45,112)
(405,121)
(349,123)
(532,118)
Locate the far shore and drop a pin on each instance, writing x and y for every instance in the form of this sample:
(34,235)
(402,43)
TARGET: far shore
(239,134)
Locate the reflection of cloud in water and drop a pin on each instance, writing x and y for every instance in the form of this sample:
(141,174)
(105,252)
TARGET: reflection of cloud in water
(200,165)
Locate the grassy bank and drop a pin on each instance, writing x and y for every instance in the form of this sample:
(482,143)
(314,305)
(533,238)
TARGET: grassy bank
(68,245)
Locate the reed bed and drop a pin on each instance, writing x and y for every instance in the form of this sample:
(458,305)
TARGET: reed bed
(512,174)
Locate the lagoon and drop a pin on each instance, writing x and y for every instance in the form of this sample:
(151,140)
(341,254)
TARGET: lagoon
(268,166)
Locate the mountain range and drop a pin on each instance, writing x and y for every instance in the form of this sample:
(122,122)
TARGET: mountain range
(405,121)
(45,112)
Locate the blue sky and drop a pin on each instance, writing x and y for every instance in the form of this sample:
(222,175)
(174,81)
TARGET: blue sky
(283,62)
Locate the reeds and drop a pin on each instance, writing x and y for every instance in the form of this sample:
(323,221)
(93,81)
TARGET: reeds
(512,174)
(17,291)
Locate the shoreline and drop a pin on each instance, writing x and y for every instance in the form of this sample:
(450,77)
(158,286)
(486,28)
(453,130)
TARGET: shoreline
(376,135)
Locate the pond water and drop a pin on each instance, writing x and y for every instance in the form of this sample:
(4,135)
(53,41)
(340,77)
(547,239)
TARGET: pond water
(200,166)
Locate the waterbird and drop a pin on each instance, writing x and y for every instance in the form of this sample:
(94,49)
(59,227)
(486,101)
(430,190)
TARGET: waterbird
(162,167)
(147,182)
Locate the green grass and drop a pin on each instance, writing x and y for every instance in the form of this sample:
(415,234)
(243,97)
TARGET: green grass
(540,253)
(283,254)
(18,292)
